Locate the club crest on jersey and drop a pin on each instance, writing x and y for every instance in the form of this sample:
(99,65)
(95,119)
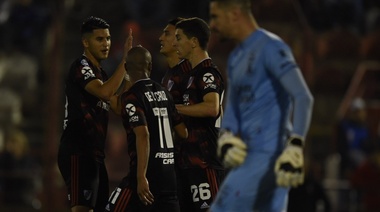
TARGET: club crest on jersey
(208,78)
(87,72)
(130,109)
(87,194)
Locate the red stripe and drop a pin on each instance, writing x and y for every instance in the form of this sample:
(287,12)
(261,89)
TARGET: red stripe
(123,201)
(214,186)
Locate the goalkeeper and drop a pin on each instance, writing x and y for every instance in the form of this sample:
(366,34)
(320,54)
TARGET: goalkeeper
(268,111)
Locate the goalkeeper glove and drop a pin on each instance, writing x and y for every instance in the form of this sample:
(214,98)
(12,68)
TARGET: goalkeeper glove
(289,166)
(231,149)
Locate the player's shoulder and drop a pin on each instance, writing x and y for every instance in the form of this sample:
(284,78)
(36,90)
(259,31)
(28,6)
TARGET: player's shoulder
(184,65)
(81,61)
(209,69)
(273,41)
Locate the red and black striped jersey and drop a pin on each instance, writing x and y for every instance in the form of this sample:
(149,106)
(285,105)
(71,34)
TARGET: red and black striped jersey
(175,80)
(149,104)
(86,116)
(200,147)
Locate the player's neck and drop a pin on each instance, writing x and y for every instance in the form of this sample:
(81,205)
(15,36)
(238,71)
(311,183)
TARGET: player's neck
(172,60)
(249,26)
(198,57)
(93,60)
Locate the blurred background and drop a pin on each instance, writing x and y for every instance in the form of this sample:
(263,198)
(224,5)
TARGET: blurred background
(335,42)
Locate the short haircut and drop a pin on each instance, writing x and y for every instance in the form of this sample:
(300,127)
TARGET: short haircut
(195,27)
(92,23)
(174,21)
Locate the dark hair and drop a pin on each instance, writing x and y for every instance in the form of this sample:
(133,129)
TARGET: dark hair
(195,27)
(174,21)
(92,23)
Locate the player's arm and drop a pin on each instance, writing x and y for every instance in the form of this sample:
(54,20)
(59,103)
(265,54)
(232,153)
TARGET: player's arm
(208,108)
(282,65)
(289,166)
(115,104)
(104,90)
(181,130)
(143,149)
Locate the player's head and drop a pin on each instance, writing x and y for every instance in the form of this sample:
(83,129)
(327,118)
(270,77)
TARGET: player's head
(224,13)
(96,38)
(168,36)
(138,63)
(191,33)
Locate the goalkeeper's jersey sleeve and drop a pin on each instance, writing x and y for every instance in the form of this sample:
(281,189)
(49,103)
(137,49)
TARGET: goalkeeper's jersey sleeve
(265,88)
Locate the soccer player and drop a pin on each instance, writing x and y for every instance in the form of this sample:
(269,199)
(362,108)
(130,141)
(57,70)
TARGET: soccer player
(88,90)
(149,115)
(201,171)
(268,112)
(177,76)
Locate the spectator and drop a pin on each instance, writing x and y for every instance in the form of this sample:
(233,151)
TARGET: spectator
(353,137)
(19,173)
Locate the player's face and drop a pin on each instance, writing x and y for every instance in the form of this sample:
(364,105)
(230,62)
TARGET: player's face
(182,44)
(98,44)
(220,21)
(167,39)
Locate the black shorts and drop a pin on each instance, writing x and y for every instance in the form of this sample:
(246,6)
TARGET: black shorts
(86,179)
(125,199)
(198,187)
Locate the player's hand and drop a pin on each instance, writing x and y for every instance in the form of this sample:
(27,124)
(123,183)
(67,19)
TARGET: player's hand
(231,149)
(289,167)
(146,197)
(128,43)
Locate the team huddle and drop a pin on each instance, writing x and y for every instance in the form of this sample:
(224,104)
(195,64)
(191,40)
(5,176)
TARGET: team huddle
(187,153)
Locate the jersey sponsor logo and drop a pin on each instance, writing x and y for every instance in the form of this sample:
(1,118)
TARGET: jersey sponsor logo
(157,96)
(130,109)
(186,99)
(168,157)
(87,72)
(164,155)
(212,86)
(208,78)
(84,62)
(134,119)
(103,105)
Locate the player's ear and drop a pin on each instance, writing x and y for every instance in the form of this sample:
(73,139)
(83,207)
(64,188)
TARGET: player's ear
(194,42)
(85,42)
(150,66)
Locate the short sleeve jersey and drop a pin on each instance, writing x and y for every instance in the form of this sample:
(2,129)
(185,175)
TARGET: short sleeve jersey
(199,150)
(149,104)
(86,116)
(175,80)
